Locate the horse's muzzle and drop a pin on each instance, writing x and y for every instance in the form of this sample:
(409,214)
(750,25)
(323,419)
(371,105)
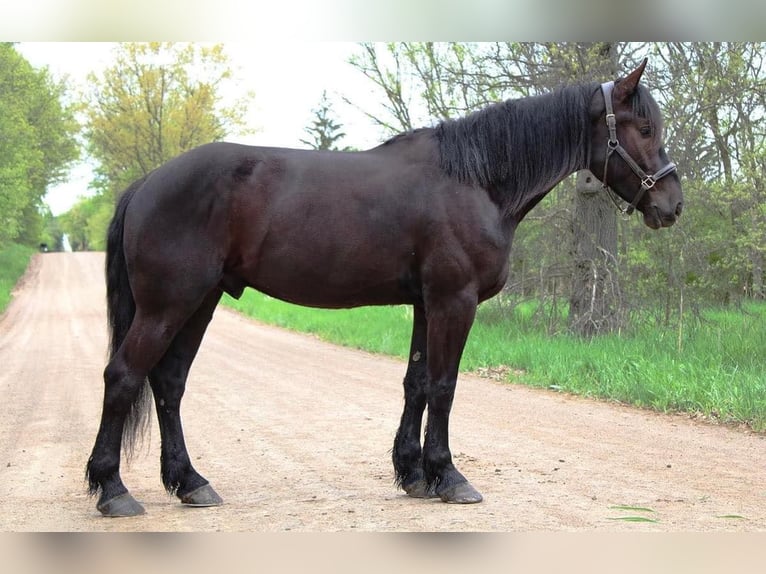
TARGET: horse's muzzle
(656,218)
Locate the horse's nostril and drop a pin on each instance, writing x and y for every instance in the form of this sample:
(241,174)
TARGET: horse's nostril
(679,208)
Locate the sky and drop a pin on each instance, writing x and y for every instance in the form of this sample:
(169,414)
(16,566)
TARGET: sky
(287,78)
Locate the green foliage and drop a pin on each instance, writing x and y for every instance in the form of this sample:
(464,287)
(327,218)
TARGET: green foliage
(86,222)
(715,105)
(52,234)
(717,372)
(14,259)
(157,101)
(36,144)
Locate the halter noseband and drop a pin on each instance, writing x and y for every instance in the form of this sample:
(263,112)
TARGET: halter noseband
(613,145)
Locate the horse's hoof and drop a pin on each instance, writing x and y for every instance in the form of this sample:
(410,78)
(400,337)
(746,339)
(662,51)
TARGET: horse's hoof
(120,506)
(203,496)
(419,489)
(460,493)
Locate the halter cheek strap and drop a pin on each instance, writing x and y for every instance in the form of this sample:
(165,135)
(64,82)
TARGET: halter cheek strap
(613,145)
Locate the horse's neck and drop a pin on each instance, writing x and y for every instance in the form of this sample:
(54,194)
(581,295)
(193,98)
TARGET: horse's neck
(546,156)
(519,150)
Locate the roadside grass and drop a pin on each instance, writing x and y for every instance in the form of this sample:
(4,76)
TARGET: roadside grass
(14,260)
(640,514)
(716,369)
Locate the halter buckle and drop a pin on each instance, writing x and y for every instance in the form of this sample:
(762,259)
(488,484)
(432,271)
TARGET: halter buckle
(648,182)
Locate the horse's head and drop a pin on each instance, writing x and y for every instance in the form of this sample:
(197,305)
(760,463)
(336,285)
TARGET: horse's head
(627,152)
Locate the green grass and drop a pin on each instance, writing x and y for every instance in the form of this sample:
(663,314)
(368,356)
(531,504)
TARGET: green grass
(716,369)
(634,519)
(13,262)
(631,508)
(383,330)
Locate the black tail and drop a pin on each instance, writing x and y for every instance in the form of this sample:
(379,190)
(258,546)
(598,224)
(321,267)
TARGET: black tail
(121,308)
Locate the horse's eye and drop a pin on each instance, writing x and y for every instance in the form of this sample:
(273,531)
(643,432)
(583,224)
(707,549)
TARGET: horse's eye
(645,131)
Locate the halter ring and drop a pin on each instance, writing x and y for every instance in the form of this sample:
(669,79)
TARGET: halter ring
(649,182)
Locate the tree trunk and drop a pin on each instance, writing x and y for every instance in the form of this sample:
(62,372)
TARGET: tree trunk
(595,303)
(756,257)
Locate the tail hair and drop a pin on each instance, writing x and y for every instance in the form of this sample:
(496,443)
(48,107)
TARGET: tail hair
(121,308)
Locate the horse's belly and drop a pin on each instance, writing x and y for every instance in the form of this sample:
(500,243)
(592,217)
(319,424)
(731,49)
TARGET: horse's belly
(334,296)
(334,283)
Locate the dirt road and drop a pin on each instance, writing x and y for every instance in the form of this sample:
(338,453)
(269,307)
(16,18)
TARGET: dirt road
(295,434)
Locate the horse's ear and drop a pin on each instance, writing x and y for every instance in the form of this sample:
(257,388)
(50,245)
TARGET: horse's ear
(625,87)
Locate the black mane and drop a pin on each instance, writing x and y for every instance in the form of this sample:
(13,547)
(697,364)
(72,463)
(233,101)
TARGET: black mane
(520,148)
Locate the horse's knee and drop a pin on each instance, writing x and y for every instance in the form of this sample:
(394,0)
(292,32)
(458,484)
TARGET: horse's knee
(121,387)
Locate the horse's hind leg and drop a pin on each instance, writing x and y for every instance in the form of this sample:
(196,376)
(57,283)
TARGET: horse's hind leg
(407,453)
(124,391)
(168,381)
(124,388)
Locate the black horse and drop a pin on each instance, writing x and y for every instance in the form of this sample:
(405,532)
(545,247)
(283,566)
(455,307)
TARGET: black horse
(425,219)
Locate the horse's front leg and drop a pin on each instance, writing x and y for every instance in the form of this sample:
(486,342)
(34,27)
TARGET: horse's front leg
(407,452)
(449,322)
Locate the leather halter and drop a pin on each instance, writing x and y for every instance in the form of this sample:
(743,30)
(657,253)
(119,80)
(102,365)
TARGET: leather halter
(613,145)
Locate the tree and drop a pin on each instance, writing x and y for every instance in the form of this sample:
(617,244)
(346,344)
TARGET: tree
(37,143)
(595,302)
(156,101)
(716,104)
(426,81)
(324,131)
